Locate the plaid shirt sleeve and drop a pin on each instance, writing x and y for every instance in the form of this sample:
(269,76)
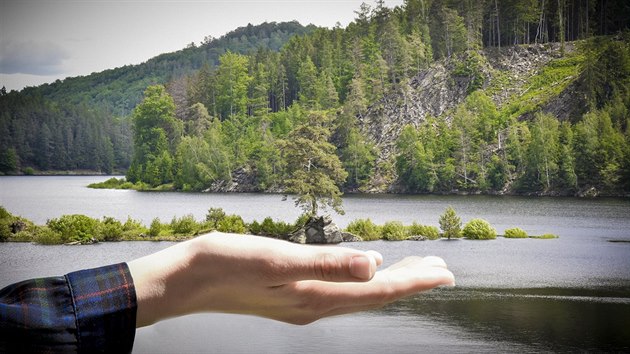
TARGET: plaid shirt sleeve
(88,311)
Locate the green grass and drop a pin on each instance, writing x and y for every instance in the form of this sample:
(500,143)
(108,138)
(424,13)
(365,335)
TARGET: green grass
(546,84)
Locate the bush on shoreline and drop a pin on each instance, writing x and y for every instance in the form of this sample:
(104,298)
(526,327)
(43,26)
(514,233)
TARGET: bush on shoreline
(515,232)
(479,229)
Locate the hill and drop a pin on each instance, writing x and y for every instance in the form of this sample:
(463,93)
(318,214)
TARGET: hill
(82,123)
(430,97)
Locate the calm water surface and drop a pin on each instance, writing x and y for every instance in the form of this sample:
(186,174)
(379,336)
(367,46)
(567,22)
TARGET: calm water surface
(563,295)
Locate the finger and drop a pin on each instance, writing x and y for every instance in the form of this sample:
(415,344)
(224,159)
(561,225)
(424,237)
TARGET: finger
(377,256)
(331,264)
(386,286)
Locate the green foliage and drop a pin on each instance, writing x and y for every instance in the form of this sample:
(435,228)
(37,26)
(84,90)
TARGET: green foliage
(110,229)
(156,134)
(5,230)
(552,79)
(46,236)
(450,224)
(238,100)
(545,236)
(112,183)
(414,163)
(479,229)
(9,161)
(132,229)
(471,67)
(232,224)
(430,232)
(301,220)
(271,228)
(364,228)
(6,219)
(314,171)
(358,159)
(74,227)
(185,225)
(394,231)
(232,82)
(155,228)
(515,232)
(214,216)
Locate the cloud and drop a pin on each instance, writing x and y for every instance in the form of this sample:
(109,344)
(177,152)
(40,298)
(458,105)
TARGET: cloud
(31,57)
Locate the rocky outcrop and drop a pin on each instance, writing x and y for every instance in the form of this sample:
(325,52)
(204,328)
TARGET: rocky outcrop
(432,92)
(321,230)
(243,180)
(350,237)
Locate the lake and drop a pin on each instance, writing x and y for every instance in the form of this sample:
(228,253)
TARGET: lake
(561,295)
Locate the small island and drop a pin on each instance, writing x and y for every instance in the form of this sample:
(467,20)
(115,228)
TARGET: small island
(81,229)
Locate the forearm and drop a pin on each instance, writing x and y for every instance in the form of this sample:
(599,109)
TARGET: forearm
(156,277)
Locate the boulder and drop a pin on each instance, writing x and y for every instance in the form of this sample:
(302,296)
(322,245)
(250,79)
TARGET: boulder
(350,237)
(318,230)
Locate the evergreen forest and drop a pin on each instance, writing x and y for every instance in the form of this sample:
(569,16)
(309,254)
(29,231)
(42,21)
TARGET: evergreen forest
(434,96)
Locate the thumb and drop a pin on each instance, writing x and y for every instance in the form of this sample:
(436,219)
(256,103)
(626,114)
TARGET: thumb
(337,265)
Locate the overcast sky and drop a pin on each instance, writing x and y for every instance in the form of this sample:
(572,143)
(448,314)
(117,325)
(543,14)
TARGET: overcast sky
(45,40)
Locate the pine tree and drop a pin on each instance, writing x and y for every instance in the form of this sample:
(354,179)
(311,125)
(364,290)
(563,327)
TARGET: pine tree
(450,224)
(314,172)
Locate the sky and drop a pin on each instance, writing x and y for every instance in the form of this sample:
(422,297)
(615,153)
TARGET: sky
(45,40)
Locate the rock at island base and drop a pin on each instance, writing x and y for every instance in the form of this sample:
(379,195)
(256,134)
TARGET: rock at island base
(350,237)
(319,230)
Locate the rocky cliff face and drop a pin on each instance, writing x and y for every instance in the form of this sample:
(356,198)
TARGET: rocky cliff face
(437,90)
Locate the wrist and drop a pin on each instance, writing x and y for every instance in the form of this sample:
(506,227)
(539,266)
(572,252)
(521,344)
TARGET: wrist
(158,282)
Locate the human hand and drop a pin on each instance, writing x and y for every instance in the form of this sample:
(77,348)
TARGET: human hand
(274,279)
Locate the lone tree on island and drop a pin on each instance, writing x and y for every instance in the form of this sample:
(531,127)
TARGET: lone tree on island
(314,171)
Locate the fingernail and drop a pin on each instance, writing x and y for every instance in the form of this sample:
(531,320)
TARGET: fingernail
(360,267)
(377,257)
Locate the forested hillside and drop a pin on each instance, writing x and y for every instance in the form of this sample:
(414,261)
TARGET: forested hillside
(83,122)
(524,96)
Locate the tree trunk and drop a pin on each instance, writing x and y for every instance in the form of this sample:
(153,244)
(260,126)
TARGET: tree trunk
(496,8)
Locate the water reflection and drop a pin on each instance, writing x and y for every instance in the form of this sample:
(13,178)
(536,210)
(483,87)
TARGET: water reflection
(547,319)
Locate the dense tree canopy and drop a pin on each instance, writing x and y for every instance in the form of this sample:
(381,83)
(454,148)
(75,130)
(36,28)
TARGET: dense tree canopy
(236,106)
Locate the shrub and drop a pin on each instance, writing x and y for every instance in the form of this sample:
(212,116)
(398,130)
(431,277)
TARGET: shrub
(111,183)
(450,224)
(479,229)
(4,214)
(186,225)
(214,216)
(255,228)
(133,228)
(74,227)
(155,228)
(110,229)
(233,224)
(394,231)
(301,220)
(430,232)
(46,236)
(515,232)
(364,228)
(5,224)
(5,229)
(278,229)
